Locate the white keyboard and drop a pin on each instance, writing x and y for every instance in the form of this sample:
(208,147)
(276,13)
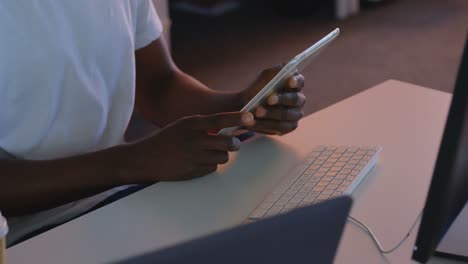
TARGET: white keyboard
(327,172)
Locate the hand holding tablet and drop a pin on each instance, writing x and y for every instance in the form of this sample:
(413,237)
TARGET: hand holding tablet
(296,64)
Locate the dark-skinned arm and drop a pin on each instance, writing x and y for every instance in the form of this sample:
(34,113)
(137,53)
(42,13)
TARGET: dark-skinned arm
(31,186)
(164,93)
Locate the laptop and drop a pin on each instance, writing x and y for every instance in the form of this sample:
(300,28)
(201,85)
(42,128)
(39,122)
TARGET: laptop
(303,234)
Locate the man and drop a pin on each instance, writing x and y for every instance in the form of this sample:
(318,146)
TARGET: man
(70,72)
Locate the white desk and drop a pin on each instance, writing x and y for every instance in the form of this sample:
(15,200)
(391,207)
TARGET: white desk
(406,120)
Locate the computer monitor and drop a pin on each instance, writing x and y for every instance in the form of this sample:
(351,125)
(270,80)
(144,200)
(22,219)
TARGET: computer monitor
(448,192)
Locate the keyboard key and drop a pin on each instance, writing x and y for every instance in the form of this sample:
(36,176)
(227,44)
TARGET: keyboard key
(326,179)
(312,195)
(319,148)
(340,163)
(305,189)
(279,191)
(273,211)
(314,167)
(306,202)
(282,202)
(296,200)
(359,157)
(318,188)
(362,163)
(359,167)
(344,159)
(291,205)
(299,195)
(327,192)
(341,175)
(315,192)
(314,155)
(301,181)
(258,213)
(272,198)
(345,171)
(321,184)
(295,187)
(287,196)
(319,162)
(266,205)
(337,193)
(361,152)
(322,170)
(337,181)
(319,174)
(323,197)
(353,149)
(341,149)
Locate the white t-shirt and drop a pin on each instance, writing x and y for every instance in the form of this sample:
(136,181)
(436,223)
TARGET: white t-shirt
(67,75)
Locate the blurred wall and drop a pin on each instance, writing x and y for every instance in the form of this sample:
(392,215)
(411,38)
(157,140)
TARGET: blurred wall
(162,7)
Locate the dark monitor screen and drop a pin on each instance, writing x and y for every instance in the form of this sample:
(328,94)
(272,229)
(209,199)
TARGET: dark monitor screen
(448,192)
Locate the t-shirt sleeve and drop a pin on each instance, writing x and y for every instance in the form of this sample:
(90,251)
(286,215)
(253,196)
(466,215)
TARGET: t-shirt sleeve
(148,25)
(5,155)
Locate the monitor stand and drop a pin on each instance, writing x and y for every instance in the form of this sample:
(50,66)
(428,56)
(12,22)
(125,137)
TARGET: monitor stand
(454,245)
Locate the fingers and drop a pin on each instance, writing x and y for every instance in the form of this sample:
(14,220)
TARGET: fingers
(296,82)
(274,127)
(294,99)
(220,143)
(219,121)
(279,113)
(211,157)
(201,171)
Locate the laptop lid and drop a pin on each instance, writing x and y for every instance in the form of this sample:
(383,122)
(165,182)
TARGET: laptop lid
(305,234)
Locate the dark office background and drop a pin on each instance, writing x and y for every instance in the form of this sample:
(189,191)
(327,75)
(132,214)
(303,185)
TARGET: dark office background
(418,41)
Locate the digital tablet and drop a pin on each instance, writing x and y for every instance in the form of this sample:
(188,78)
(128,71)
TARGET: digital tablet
(296,64)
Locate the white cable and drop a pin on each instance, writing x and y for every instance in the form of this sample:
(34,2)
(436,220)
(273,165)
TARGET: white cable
(374,237)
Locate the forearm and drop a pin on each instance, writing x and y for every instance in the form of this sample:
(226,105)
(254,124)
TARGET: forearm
(181,95)
(31,186)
